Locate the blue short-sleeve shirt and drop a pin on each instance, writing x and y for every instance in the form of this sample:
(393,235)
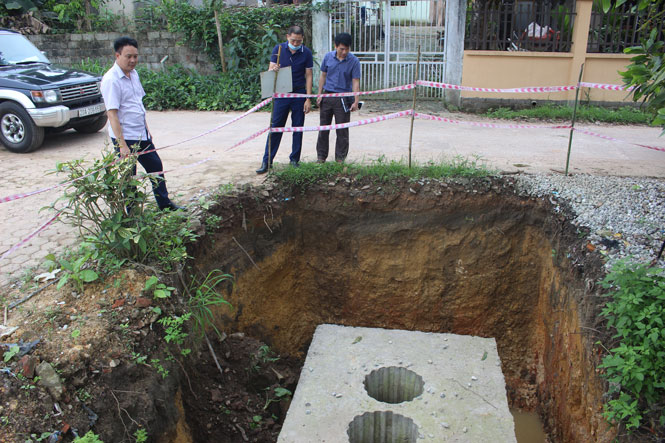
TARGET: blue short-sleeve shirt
(340,73)
(299,61)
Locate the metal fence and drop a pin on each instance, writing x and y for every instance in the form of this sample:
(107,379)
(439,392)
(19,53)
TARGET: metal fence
(622,27)
(536,25)
(386,36)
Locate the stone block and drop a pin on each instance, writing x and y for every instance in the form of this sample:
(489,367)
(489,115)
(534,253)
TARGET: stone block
(76,37)
(153,35)
(102,36)
(50,380)
(87,37)
(434,387)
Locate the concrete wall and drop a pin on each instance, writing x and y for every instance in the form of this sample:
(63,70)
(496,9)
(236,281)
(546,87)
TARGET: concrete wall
(504,69)
(69,49)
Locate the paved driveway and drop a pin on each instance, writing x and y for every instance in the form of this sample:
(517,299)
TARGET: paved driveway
(532,150)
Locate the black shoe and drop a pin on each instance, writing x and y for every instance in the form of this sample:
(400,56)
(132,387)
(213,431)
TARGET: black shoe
(173,207)
(263,169)
(295,164)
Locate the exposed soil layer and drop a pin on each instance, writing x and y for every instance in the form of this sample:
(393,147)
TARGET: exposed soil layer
(467,257)
(463,256)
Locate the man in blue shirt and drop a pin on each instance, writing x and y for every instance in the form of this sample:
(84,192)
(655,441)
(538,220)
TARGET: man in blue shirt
(296,55)
(340,72)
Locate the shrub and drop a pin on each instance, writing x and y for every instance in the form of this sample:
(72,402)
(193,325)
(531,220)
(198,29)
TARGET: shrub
(635,368)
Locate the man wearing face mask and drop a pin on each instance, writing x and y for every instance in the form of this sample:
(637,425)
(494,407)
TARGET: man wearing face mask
(299,58)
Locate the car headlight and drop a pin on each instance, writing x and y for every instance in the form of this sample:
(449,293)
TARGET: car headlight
(47,96)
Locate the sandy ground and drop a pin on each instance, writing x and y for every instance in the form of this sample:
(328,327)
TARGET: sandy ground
(529,150)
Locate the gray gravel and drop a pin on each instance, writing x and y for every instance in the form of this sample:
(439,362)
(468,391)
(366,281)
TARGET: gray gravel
(626,215)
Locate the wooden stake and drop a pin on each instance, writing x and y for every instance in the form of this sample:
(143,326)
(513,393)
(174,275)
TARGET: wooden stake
(413,108)
(572,124)
(272,112)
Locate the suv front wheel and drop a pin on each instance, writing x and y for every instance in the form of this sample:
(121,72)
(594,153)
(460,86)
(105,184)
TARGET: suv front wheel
(17,130)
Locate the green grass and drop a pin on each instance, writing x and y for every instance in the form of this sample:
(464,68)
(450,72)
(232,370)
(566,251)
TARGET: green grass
(382,170)
(585,113)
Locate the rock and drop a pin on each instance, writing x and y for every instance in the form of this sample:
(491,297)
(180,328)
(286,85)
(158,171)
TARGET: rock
(119,302)
(50,380)
(28,364)
(143,302)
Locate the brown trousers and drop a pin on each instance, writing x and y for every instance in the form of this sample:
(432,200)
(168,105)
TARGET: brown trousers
(332,106)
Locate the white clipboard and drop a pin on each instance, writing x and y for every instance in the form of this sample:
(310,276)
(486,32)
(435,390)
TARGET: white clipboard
(284,82)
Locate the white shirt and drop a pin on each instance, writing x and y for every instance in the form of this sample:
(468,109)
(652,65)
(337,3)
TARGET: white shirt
(126,95)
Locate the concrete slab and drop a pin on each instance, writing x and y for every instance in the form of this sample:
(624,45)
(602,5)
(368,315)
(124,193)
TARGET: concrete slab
(463,395)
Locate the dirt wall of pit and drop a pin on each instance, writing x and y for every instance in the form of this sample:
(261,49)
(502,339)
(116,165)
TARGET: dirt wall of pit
(467,257)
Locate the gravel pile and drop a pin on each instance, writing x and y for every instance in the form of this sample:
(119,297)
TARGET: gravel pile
(626,215)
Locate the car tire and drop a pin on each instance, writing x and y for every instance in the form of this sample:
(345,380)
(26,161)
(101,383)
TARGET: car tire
(92,127)
(17,130)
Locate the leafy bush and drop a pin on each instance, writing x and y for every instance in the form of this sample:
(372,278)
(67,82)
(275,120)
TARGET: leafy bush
(635,368)
(249,34)
(109,207)
(181,88)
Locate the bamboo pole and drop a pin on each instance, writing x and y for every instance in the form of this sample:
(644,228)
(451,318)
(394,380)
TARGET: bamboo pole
(572,123)
(413,108)
(272,112)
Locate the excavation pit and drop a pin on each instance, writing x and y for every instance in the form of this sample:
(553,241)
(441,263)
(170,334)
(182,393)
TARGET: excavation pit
(438,386)
(468,257)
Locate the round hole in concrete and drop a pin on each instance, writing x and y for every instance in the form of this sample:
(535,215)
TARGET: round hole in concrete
(382,427)
(393,384)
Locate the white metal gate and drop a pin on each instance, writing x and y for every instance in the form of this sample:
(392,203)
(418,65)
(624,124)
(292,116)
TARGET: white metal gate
(386,35)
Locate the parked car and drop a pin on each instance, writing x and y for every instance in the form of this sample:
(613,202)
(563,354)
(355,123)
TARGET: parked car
(34,96)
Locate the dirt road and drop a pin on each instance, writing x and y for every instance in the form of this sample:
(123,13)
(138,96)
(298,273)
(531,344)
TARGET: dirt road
(530,150)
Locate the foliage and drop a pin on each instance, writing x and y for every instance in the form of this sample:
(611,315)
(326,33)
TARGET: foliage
(159,290)
(623,115)
(181,88)
(635,368)
(646,74)
(382,170)
(73,267)
(89,437)
(141,435)
(203,297)
(108,204)
(249,34)
(173,328)
(10,353)
(19,6)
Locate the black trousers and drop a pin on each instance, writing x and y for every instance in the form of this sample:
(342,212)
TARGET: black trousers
(332,106)
(151,163)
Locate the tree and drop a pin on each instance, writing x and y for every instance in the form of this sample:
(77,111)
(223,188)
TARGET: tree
(646,73)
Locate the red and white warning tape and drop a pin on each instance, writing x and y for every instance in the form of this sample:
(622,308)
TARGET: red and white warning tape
(487,125)
(605,86)
(345,94)
(511,90)
(607,137)
(29,237)
(343,125)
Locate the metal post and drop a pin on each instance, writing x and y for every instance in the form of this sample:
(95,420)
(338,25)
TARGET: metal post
(413,108)
(272,112)
(572,124)
(386,54)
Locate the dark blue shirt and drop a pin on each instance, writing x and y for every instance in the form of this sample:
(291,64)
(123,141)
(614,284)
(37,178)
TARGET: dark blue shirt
(299,62)
(340,73)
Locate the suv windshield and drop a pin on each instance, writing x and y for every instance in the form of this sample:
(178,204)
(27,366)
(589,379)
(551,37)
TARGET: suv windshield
(16,49)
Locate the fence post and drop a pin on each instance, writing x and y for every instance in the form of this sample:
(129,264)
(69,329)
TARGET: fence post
(413,108)
(572,124)
(272,112)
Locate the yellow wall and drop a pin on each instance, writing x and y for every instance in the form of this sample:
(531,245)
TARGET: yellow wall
(504,69)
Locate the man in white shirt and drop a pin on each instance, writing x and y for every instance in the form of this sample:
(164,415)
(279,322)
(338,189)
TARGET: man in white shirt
(123,96)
